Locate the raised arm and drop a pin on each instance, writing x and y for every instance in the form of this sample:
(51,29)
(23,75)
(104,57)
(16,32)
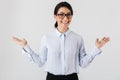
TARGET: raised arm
(39,57)
(84,58)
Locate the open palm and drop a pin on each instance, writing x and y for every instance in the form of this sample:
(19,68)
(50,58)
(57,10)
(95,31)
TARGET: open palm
(102,42)
(21,42)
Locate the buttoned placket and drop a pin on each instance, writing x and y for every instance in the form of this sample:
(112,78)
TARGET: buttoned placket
(63,53)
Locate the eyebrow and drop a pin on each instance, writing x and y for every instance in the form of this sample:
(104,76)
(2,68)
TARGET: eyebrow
(64,13)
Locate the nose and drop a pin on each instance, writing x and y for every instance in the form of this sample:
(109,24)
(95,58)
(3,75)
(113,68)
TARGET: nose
(65,18)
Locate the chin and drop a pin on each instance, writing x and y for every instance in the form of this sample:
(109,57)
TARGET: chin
(65,27)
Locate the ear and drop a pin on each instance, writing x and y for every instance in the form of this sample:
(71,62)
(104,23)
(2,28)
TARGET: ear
(55,17)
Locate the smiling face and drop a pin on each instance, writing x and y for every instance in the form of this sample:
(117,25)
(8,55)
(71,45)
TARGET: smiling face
(63,18)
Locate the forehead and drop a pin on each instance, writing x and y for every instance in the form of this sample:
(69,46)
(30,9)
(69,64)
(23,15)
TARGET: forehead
(63,10)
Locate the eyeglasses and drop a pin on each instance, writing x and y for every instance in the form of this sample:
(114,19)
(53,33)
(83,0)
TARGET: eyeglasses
(62,15)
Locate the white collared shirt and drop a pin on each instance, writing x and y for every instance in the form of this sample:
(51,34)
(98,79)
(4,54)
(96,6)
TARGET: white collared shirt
(62,55)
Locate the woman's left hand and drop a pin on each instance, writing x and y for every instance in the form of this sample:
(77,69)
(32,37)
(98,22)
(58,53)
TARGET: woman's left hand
(102,42)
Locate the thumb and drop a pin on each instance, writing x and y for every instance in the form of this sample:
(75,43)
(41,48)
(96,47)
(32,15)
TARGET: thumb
(24,39)
(97,40)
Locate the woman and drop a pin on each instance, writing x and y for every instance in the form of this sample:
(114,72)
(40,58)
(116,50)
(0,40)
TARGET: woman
(62,50)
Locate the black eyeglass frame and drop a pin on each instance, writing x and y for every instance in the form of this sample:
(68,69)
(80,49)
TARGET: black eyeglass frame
(62,15)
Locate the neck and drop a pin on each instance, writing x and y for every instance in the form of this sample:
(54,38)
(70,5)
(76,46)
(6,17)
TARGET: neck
(62,30)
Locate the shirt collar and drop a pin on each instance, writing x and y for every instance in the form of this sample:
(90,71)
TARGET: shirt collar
(66,33)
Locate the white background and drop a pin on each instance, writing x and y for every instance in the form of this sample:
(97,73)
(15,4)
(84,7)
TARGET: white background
(31,19)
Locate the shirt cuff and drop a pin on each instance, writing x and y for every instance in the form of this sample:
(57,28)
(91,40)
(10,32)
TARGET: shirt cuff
(27,49)
(97,51)
(26,52)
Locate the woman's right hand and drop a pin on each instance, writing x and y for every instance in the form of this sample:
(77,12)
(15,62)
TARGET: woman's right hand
(21,42)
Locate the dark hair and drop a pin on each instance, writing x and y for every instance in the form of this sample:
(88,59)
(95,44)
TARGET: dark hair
(59,5)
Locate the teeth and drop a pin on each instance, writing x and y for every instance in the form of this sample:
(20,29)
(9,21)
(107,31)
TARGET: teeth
(64,23)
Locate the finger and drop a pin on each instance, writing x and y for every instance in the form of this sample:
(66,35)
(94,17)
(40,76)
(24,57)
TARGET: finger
(16,39)
(103,38)
(24,39)
(97,40)
(13,37)
(107,39)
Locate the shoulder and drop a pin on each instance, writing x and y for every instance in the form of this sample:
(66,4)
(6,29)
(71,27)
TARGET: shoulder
(48,35)
(78,36)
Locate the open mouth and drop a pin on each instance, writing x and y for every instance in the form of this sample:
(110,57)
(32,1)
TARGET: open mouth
(65,23)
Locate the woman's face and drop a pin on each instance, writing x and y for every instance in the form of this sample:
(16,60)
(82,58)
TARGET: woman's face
(63,17)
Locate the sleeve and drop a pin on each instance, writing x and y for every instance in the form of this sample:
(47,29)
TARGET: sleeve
(40,57)
(84,58)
